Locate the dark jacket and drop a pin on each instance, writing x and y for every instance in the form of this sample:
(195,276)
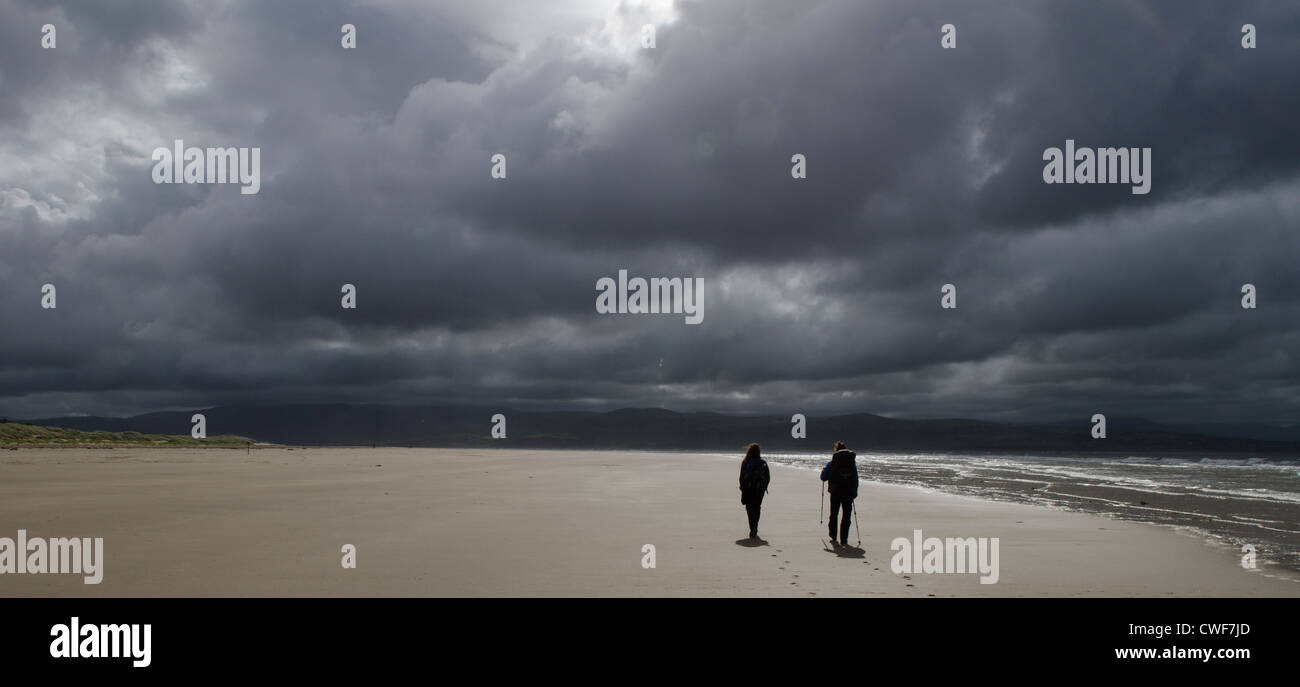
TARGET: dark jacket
(761,478)
(841,475)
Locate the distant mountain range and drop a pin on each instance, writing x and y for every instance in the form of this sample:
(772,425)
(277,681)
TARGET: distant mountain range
(644,428)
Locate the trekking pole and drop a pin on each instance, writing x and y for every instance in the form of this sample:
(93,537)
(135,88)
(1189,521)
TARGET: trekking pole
(855,523)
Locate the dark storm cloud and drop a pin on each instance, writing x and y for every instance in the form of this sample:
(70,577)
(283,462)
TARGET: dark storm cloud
(95,41)
(821,294)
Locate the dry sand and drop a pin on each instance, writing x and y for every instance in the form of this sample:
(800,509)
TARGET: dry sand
(445,522)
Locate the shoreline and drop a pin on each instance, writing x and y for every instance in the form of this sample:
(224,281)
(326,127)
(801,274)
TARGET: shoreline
(488,445)
(1207,537)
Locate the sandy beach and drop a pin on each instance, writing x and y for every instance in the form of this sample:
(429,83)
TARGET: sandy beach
(445,522)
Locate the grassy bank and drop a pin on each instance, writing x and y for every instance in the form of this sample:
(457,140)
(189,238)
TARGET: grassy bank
(14,434)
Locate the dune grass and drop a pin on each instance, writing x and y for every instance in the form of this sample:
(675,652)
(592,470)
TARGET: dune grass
(15,434)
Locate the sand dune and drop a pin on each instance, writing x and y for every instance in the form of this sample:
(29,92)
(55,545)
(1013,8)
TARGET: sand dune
(426,522)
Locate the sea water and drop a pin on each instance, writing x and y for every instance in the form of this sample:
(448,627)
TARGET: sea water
(1233,501)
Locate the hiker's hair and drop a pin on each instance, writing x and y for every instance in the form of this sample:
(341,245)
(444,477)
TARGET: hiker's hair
(752,451)
(839,446)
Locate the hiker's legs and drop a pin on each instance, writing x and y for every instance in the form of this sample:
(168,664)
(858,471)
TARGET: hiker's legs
(835,509)
(754,509)
(844,524)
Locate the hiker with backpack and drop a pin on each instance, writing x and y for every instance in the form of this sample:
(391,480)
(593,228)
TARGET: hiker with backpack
(841,478)
(754,478)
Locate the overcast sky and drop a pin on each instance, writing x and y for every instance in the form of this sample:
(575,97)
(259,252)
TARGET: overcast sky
(821,295)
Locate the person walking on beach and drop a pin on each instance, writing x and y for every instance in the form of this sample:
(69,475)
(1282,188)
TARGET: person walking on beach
(754,478)
(841,478)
